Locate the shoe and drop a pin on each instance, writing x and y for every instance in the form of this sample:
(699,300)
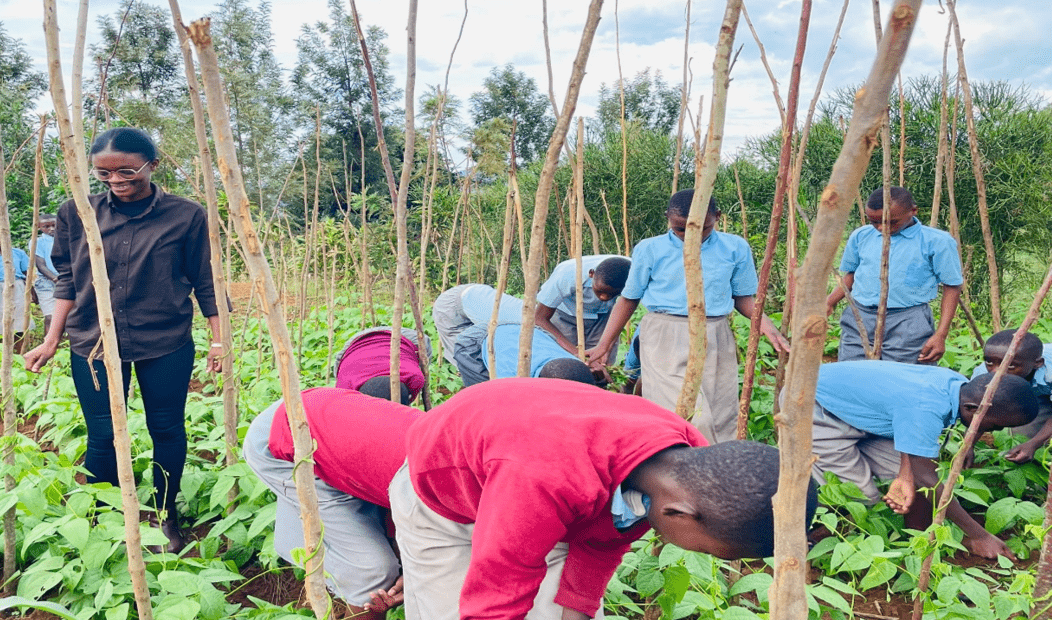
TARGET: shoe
(170,528)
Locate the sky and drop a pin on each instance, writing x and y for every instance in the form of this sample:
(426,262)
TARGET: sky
(1005,40)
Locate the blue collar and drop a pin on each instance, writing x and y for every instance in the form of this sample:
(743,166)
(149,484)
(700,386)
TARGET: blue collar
(628,507)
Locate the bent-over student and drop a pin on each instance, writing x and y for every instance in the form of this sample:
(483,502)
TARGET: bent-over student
(464,305)
(547,358)
(877,419)
(603,277)
(360,442)
(519,498)
(367,357)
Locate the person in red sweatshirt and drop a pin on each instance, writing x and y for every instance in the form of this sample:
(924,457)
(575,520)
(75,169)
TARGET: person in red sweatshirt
(360,445)
(519,498)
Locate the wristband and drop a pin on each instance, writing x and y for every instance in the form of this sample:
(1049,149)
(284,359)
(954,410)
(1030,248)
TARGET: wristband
(217,345)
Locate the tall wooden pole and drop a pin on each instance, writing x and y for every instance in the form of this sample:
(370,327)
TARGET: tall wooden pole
(6,383)
(787,592)
(544,187)
(73,153)
(273,309)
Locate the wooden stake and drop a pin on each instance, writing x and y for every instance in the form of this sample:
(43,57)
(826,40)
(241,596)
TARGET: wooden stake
(787,592)
(578,175)
(6,382)
(75,157)
(544,185)
(273,309)
(684,95)
(940,157)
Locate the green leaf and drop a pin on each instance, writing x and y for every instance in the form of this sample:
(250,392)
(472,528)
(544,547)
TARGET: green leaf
(76,532)
(739,613)
(879,573)
(649,581)
(1001,514)
(753,582)
(21,602)
(180,582)
(1016,481)
(33,585)
(209,546)
(264,520)
(177,608)
(830,596)
(677,580)
(120,612)
(948,588)
(670,554)
(105,593)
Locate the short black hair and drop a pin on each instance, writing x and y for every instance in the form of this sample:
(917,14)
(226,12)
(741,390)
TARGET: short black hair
(380,387)
(613,272)
(1030,348)
(680,203)
(47,217)
(899,196)
(126,140)
(732,484)
(1013,404)
(568,368)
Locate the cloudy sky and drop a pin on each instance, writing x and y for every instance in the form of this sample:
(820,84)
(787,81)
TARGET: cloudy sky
(1005,40)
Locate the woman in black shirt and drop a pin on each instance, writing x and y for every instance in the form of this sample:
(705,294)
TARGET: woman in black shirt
(157,253)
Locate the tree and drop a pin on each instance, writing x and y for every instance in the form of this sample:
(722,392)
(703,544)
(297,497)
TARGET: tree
(649,102)
(330,79)
(510,95)
(260,105)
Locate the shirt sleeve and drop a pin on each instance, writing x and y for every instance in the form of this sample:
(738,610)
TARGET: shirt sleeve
(638,273)
(946,261)
(588,570)
(60,255)
(744,281)
(197,265)
(554,290)
(519,521)
(850,260)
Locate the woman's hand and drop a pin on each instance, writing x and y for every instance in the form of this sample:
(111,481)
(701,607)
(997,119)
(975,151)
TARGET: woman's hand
(39,356)
(214,361)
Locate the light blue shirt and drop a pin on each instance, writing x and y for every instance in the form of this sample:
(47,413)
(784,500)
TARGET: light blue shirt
(476,301)
(1041,385)
(907,403)
(628,507)
(506,351)
(560,290)
(632,365)
(658,280)
(921,258)
(21,263)
(44,245)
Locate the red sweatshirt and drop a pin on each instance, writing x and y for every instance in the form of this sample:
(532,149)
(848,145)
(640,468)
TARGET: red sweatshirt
(532,462)
(369,356)
(361,440)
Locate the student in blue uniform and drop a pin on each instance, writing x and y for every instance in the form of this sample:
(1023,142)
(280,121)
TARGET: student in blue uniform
(548,359)
(603,277)
(877,419)
(1033,362)
(921,259)
(465,305)
(657,279)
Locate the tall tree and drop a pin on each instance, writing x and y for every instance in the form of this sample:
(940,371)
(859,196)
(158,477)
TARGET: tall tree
(330,75)
(649,102)
(514,97)
(260,104)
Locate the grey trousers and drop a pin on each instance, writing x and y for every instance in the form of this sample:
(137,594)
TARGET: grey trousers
(905,332)
(358,556)
(853,455)
(663,350)
(435,556)
(450,319)
(593,329)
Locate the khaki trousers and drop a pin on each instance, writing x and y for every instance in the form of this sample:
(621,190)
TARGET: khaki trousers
(664,345)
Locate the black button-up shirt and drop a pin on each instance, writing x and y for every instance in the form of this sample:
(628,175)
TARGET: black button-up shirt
(154,260)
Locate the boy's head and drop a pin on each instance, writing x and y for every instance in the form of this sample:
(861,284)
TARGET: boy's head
(569,369)
(609,277)
(47,223)
(679,209)
(380,387)
(1026,360)
(903,209)
(717,499)
(1013,404)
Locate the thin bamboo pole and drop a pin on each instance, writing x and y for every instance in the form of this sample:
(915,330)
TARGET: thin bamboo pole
(38,172)
(502,269)
(787,592)
(885,252)
(75,158)
(578,223)
(706,166)
(6,382)
(969,441)
(532,273)
(624,133)
(273,309)
(780,190)
(226,338)
(684,95)
(610,221)
(741,202)
(977,169)
(940,157)
(1041,608)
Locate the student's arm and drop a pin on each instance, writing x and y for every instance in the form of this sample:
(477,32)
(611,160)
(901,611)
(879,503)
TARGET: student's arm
(838,293)
(976,538)
(936,345)
(543,319)
(619,315)
(39,356)
(746,305)
(43,270)
(1024,452)
(903,489)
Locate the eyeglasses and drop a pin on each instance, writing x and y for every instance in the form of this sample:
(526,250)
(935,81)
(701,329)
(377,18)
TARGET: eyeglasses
(124,173)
